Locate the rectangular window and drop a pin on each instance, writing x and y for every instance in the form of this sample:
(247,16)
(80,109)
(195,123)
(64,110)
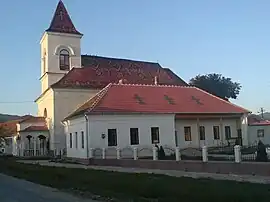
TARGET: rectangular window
(112,137)
(260,133)
(82,134)
(76,140)
(70,140)
(228,132)
(187,131)
(202,133)
(134,136)
(216,132)
(155,135)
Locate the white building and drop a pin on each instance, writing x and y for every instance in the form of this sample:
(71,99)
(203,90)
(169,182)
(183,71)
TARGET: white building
(258,129)
(136,115)
(28,136)
(68,78)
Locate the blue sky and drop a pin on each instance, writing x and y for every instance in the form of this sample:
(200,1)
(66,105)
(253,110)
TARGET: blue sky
(190,37)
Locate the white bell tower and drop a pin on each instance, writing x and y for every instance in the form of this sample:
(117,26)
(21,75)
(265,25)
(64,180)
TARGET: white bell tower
(60,48)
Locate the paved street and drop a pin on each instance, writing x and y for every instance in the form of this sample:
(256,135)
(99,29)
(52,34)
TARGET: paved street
(15,190)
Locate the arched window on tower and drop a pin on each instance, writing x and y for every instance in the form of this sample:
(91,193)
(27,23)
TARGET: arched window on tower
(64,60)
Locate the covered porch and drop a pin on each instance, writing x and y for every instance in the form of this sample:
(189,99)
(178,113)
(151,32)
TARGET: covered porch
(212,130)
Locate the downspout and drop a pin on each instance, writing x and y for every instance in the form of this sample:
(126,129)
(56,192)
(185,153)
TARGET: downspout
(87,134)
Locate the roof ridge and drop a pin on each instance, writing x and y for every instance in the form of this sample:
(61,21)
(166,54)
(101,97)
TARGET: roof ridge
(221,99)
(100,95)
(124,59)
(88,100)
(151,85)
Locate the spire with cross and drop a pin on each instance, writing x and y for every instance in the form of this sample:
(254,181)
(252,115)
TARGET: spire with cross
(62,22)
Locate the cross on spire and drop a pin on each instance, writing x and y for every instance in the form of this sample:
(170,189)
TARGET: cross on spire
(62,22)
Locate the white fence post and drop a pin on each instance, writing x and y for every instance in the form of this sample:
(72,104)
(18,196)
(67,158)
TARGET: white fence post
(154,153)
(91,155)
(103,153)
(118,155)
(135,153)
(177,154)
(204,154)
(237,153)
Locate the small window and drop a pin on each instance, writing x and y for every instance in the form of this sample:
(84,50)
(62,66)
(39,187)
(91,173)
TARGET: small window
(155,135)
(260,133)
(70,140)
(187,131)
(202,133)
(64,60)
(82,136)
(76,140)
(134,136)
(228,132)
(216,132)
(112,137)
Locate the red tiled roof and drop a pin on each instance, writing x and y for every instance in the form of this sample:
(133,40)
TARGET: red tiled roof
(135,98)
(97,72)
(62,22)
(9,128)
(33,119)
(35,128)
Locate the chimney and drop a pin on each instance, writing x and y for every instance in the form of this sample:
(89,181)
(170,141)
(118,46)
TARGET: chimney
(120,81)
(156,80)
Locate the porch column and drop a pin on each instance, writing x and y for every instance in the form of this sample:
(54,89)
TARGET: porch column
(35,145)
(198,132)
(22,148)
(221,131)
(244,129)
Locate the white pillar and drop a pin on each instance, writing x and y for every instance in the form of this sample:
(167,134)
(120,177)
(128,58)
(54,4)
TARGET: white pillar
(118,155)
(22,148)
(135,153)
(35,146)
(155,153)
(244,129)
(237,153)
(103,153)
(204,154)
(91,153)
(177,154)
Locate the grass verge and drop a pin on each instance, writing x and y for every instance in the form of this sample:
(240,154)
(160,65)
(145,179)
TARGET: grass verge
(137,187)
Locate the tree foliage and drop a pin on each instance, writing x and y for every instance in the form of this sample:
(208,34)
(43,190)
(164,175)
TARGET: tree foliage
(217,85)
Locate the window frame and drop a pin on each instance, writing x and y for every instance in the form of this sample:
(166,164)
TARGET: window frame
(70,140)
(202,132)
(187,133)
(76,140)
(258,132)
(82,139)
(228,136)
(64,60)
(155,135)
(113,135)
(136,137)
(216,133)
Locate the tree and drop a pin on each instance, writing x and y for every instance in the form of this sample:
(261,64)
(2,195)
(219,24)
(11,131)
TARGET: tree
(2,131)
(217,85)
(261,152)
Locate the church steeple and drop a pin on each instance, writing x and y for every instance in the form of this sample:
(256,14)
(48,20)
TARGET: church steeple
(62,22)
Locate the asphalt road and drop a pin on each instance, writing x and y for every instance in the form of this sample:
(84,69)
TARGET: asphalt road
(16,190)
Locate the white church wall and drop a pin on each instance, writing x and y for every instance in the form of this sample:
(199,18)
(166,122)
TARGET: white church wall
(66,101)
(47,102)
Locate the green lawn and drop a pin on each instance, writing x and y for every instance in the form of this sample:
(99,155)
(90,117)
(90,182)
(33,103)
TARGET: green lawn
(137,187)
